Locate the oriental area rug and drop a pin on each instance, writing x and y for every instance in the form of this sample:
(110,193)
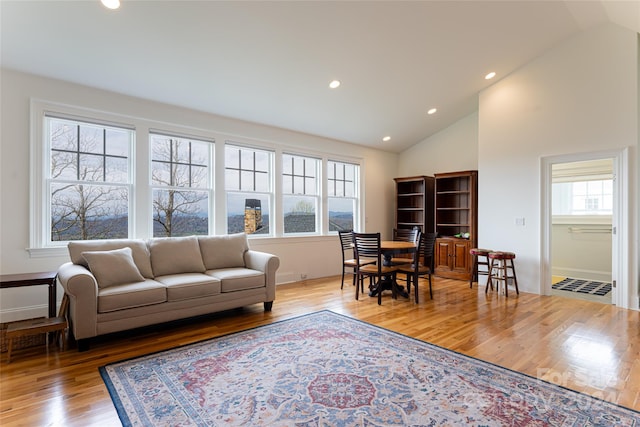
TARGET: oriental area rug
(326,369)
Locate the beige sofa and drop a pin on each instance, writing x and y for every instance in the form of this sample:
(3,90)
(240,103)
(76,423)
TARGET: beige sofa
(114,285)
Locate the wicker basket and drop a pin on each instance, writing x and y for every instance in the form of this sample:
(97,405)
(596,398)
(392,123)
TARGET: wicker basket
(19,342)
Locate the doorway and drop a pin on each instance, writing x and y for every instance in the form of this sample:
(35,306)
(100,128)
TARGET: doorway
(582,203)
(620,271)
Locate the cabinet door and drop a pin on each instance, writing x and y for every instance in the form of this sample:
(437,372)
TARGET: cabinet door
(461,256)
(444,254)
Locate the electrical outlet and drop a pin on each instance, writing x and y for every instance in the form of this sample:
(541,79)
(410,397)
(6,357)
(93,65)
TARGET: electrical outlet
(520,222)
(303,276)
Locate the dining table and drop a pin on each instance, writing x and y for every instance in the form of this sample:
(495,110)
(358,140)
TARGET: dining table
(389,249)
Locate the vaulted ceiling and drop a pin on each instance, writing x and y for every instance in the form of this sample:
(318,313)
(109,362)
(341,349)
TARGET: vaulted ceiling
(271,62)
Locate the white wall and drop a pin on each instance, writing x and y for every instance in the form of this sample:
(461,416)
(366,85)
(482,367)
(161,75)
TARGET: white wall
(315,256)
(581,250)
(581,96)
(452,149)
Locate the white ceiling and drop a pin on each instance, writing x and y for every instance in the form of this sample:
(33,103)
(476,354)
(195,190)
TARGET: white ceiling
(271,62)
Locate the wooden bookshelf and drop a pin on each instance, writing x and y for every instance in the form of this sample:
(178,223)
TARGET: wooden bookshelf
(415,202)
(456,222)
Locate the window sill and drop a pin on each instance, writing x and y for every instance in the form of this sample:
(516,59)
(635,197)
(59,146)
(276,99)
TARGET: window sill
(50,252)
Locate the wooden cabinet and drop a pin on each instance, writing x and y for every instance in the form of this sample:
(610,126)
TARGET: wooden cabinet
(452,258)
(456,222)
(415,202)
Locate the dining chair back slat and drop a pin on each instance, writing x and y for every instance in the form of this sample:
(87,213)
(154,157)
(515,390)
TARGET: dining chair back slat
(367,246)
(422,264)
(349,262)
(404,235)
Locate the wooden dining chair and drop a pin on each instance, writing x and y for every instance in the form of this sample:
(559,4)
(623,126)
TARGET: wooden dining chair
(367,246)
(422,264)
(404,235)
(348,255)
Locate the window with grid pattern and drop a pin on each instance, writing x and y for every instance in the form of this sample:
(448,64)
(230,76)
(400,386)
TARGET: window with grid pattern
(181,185)
(300,193)
(88,180)
(343,197)
(248,182)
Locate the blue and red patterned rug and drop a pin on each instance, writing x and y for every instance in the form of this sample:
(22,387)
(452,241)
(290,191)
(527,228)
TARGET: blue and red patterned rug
(326,369)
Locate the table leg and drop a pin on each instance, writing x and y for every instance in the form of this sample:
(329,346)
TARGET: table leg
(52,296)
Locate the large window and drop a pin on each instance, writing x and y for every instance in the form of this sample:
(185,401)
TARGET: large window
(98,176)
(249,189)
(589,197)
(88,183)
(300,193)
(342,192)
(181,181)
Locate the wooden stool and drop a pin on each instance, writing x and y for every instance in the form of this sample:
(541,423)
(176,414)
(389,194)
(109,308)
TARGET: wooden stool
(475,272)
(501,262)
(57,325)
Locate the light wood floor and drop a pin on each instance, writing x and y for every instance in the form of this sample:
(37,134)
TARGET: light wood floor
(582,345)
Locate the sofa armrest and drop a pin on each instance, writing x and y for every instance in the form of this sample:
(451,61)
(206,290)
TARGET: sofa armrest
(268,264)
(81,287)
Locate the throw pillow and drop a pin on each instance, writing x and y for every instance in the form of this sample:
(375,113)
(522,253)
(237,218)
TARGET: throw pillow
(175,255)
(223,251)
(115,267)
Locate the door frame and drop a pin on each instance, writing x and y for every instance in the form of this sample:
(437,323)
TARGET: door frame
(620,271)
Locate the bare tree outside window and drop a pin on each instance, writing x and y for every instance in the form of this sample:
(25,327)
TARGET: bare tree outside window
(88,180)
(180,177)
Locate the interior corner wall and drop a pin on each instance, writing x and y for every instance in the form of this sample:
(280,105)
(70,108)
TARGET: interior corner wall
(579,97)
(452,149)
(17,89)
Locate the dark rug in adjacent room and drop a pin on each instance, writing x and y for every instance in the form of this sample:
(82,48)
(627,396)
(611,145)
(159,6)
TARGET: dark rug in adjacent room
(326,369)
(583,286)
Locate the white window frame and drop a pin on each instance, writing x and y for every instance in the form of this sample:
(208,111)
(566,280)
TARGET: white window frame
(209,189)
(40,151)
(356,198)
(140,200)
(269,194)
(314,194)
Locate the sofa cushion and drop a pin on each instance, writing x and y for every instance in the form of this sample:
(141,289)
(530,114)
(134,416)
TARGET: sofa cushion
(237,279)
(115,267)
(189,285)
(138,248)
(223,251)
(175,255)
(131,295)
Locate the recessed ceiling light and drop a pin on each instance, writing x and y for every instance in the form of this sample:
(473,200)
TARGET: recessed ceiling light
(334,84)
(386,138)
(111,4)
(431,111)
(490,75)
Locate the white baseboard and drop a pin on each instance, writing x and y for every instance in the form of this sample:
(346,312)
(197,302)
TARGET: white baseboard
(22,313)
(282,278)
(601,276)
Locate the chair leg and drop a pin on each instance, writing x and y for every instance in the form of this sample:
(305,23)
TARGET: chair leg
(342,283)
(430,288)
(489,282)
(506,279)
(474,271)
(415,287)
(515,279)
(360,278)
